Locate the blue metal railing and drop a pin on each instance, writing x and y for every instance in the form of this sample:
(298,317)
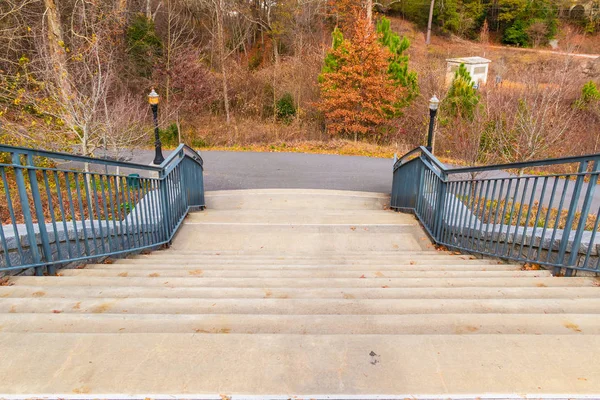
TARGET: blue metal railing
(550,218)
(59,208)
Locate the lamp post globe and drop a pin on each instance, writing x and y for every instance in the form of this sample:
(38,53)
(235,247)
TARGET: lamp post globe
(153,100)
(434,104)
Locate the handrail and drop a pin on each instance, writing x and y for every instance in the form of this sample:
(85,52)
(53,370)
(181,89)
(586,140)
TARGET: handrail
(74,157)
(52,216)
(482,168)
(549,219)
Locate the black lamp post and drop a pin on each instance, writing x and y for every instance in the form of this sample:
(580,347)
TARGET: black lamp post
(434,104)
(153,99)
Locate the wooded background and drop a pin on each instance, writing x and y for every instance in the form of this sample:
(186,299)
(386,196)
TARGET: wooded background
(74,75)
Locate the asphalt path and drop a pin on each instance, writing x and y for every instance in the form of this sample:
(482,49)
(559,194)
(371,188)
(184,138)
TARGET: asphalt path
(225,170)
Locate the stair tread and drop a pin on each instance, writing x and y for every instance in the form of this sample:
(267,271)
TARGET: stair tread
(301,364)
(447,324)
(304,282)
(297,273)
(297,306)
(311,293)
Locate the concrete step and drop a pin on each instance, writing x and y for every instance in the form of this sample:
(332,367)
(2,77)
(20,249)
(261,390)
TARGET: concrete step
(224,261)
(306,254)
(419,324)
(285,267)
(299,306)
(309,366)
(302,282)
(301,216)
(270,199)
(75,292)
(298,238)
(300,259)
(298,273)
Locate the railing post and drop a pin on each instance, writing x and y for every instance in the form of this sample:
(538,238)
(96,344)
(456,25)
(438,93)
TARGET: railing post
(585,209)
(28,219)
(564,241)
(439,207)
(165,206)
(418,192)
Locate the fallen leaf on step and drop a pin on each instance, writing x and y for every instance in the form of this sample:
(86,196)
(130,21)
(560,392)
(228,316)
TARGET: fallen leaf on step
(5,282)
(56,311)
(352,228)
(572,326)
(385,286)
(363,276)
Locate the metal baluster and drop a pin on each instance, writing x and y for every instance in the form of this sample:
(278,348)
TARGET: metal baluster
(498,206)
(571,213)
(537,216)
(479,202)
(472,188)
(90,208)
(487,218)
(585,209)
(526,223)
(505,247)
(123,210)
(107,219)
(82,211)
(557,221)
(98,216)
(547,219)
(116,214)
(73,216)
(518,220)
(52,215)
(13,219)
(591,245)
(39,213)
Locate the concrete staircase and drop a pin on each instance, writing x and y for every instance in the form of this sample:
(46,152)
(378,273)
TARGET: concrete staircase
(319,294)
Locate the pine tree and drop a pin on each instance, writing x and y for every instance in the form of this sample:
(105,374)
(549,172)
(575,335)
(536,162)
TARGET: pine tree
(398,63)
(462,97)
(357,94)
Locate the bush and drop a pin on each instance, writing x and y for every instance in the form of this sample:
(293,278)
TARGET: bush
(170,135)
(286,110)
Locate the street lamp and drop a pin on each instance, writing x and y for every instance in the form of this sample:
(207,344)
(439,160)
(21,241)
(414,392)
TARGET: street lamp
(153,99)
(434,104)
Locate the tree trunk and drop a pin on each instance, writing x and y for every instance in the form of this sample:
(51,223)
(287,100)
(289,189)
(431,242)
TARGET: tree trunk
(222,50)
(148,10)
(122,10)
(178,122)
(57,53)
(370,11)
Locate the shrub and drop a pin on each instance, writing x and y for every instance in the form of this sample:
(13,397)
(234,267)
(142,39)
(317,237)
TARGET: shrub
(170,135)
(286,110)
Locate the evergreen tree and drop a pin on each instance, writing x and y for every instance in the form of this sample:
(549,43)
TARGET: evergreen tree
(462,97)
(357,92)
(398,63)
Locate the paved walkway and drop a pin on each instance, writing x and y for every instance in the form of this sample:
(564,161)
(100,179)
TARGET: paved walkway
(226,170)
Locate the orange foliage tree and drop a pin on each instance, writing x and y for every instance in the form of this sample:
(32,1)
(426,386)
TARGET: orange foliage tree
(357,92)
